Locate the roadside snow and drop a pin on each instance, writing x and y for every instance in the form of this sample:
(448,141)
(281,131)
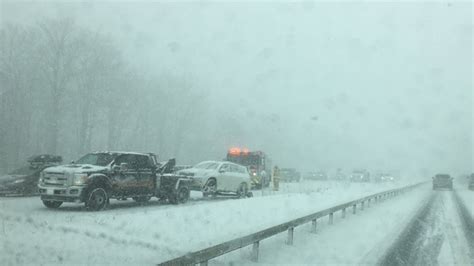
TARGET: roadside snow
(356,240)
(466,195)
(128,233)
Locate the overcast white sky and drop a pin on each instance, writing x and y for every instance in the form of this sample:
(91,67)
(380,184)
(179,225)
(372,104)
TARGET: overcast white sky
(390,83)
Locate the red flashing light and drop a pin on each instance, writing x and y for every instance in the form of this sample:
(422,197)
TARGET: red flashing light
(234,151)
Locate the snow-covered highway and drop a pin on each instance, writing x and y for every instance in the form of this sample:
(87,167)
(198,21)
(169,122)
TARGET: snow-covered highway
(130,233)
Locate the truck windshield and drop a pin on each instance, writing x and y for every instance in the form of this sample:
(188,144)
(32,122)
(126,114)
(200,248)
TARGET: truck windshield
(101,159)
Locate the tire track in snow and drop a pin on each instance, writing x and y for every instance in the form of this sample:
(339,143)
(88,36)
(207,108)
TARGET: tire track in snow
(433,237)
(467,221)
(411,241)
(89,234)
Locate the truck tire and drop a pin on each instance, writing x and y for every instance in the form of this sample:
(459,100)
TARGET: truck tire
(52,204)
(97,199)
(181,196)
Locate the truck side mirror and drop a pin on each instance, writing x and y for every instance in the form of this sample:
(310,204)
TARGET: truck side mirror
(116,168)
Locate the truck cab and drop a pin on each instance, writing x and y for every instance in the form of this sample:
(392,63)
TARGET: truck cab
(97,177)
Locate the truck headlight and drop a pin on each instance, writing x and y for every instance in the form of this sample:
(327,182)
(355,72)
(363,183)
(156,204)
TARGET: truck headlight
(80,179)
(41,177)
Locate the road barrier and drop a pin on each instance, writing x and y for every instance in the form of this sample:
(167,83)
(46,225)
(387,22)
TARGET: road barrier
(203,256)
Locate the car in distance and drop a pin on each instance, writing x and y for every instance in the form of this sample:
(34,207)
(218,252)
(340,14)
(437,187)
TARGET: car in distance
(471,182)
(24,180)
(384,177)
(319,175)
(339,175)
(360,175)
(219,178)
(289,175)
(442,181)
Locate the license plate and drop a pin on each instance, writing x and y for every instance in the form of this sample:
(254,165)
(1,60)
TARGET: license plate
(50,191)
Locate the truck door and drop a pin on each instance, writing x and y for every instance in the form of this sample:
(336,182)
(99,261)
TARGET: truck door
(125,181)
(146,175)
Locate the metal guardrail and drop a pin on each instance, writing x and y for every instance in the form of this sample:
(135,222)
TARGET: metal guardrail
(203,256)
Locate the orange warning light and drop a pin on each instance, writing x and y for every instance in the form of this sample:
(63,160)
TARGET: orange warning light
(234,151)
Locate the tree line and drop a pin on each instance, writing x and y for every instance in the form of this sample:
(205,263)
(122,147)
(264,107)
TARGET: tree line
(68,90)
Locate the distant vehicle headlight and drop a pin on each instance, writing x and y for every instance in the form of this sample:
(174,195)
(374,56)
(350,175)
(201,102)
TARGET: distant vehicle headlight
(18,181)
(80,179)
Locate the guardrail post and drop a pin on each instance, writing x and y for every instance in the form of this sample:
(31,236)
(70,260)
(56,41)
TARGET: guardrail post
(344,213)
(254,255)
(354,208)
(204,263)
(314,224)
(331,218)
(362,205)
(368,203)
(289,241)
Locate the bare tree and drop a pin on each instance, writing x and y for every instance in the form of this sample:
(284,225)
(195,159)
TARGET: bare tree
(57,53)
(18,78)
(99,63)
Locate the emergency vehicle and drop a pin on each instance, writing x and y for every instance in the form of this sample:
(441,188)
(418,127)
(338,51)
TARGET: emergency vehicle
(257,162)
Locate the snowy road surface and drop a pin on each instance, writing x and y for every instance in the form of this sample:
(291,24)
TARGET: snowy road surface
(128,233)
(436,235)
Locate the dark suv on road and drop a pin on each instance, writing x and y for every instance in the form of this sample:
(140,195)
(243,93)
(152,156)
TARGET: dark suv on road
(442,181)
(24,180)
(471,182)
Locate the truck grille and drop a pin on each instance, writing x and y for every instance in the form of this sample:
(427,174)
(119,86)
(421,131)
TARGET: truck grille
(55,179)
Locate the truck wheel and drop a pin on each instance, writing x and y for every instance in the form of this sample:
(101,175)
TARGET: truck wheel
(142,199)
(97,199)
(243,190)
(181,196)
(52,204)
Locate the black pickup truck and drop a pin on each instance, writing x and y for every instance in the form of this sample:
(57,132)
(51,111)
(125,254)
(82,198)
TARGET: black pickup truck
(100,176)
